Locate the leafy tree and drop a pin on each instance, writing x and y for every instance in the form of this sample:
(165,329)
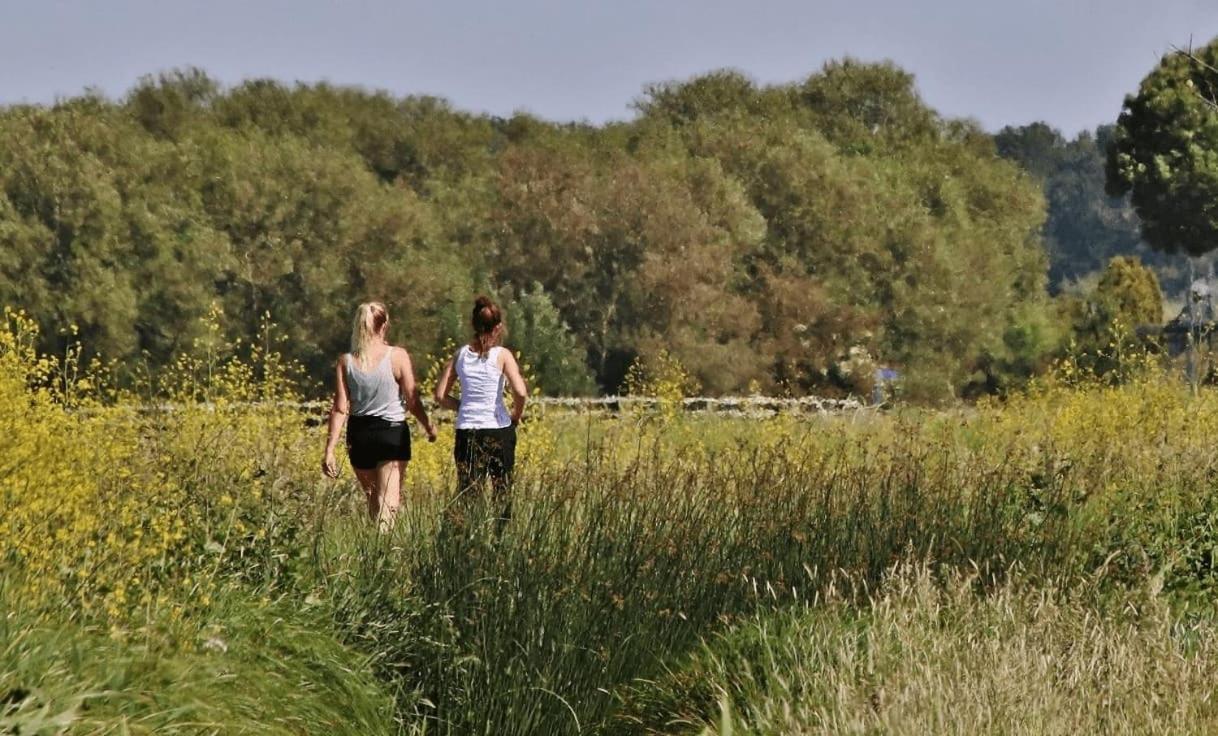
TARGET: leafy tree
(1128,292)
(313,233)
(862,108)
(1126,297)
(887,231)
(166,105)
(726,92)
(643,254)
(1086,227)
(1164,152)
(91,239)
(757,235)
(1039,148)
(415,139)
(537,330)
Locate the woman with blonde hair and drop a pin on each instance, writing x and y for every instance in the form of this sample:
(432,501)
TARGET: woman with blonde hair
(374,387)
(485,446)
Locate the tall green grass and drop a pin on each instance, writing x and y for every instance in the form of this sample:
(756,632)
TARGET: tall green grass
(635,542)
(247,667)
(608,570)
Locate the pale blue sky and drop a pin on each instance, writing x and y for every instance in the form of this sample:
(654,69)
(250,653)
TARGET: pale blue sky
(1066,61)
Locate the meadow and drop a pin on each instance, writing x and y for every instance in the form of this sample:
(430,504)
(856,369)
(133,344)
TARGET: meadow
(1044,564)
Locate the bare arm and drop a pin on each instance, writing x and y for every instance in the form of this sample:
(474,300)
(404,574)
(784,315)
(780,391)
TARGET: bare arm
(520,392)
(444,387)
(339,409)
(410,392)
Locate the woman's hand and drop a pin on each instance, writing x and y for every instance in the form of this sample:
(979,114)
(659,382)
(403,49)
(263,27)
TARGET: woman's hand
(431,432)
(329,465)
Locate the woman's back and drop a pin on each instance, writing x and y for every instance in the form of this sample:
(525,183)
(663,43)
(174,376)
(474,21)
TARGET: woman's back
(482,383)
(374,392)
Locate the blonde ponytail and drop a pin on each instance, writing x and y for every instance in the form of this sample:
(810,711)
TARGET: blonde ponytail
(370,319)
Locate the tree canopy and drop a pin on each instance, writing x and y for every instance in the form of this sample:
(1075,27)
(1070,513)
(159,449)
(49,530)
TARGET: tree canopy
(764,236)
(1164,152)
(1086,226)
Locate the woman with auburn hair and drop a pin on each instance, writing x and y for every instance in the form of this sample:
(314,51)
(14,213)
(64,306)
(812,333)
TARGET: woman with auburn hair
(485,447)
(374,387)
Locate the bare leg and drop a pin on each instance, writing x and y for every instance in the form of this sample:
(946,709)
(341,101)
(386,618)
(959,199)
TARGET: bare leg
(368,481)
(389,481)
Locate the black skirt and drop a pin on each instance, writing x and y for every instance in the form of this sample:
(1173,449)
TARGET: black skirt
(374,440)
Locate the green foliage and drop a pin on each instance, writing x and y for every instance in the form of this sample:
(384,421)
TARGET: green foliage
(537,331)
(247,666)
(1086,227)
(1129,292)
(868,108)
(761,235)
(1106,321)
(718,94)
(173,101)
(1164,152)
(886,230)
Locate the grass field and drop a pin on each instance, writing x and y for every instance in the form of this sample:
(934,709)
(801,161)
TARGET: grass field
(1044,565)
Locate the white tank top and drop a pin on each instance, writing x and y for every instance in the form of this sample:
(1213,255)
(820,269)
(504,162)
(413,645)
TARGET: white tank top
(375,393)
(482,384)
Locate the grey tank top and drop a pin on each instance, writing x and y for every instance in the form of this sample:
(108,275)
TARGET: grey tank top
(375,392)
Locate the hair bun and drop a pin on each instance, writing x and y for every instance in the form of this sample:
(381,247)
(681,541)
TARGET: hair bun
(486,316)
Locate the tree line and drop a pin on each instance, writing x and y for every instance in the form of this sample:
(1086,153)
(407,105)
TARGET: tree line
(1086,226)
(786,239)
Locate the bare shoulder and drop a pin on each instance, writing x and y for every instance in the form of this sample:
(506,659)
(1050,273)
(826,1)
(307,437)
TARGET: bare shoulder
(507,358)
(340,371)
(399,359)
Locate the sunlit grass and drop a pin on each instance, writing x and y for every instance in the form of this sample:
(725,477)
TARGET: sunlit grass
(920,655)
(185,544)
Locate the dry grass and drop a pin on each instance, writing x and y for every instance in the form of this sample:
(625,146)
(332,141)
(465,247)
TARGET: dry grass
(922,656)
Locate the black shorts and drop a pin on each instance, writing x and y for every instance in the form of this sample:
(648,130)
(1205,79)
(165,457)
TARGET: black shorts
(373,440)
(485,453)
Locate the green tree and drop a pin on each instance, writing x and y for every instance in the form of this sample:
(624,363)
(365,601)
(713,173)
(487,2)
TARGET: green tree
(1128,292)
(313,233)
(92,235)
(864,108)
(1164,152)
(537,330)
(1086,227)
(1126,297)
(718,94)
(638,253)
(888,232)
(168,104)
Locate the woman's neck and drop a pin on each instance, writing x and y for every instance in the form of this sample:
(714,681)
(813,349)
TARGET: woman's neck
(374,345)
